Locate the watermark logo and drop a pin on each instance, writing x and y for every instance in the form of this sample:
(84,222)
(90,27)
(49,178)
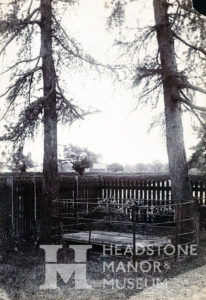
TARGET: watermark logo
(145,267)
(139,268)
(65,270)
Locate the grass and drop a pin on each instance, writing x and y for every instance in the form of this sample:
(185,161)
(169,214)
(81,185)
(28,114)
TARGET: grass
(21,274)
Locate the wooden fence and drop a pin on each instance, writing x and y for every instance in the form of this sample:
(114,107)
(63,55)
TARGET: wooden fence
(21,196)
(148,187)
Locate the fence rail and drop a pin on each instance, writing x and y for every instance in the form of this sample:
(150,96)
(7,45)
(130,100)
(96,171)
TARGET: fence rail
(99,222)
(21,195)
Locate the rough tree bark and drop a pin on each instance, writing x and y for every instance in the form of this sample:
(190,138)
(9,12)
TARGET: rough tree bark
(180,183)
(181,189)
(50,169)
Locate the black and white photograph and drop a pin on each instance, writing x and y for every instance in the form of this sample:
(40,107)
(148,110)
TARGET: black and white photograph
(102,149)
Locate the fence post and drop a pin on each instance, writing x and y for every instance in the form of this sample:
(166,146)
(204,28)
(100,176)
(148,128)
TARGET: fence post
(178,224)
(35,213)
(77,186)
(12,202)
(59,221)
(90,228)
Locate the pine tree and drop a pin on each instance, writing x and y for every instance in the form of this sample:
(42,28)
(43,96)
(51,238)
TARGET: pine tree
(35,80)
(178,30)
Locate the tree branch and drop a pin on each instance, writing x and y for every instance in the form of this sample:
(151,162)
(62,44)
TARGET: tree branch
(16,88)
(29,8)
(27,120)
(26,123)
(71,107)
(196,88)
(20,62)
(88,59)
(64,32)
(31,78)
(150,91)
(198,118)
(21,26)
(77,53)
(25,75)
(200,49)
(187,101)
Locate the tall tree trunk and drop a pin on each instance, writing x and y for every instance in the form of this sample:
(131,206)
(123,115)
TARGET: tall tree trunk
(180,183)
(181,189)
(50,170)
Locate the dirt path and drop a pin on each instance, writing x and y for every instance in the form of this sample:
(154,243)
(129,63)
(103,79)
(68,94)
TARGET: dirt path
(190,285)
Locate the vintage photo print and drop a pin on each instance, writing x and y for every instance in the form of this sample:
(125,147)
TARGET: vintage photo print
(102,149)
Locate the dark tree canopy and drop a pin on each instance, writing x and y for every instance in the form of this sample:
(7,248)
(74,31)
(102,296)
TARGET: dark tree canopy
(200,6)
(17,161)
(198,158)
(80,158)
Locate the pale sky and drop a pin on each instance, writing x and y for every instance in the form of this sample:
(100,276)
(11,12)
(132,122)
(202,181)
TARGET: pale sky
(118,133)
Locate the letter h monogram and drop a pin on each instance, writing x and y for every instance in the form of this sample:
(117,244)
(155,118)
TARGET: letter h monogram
(65,270)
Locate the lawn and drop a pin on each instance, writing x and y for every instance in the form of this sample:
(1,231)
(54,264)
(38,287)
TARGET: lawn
(21,274)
